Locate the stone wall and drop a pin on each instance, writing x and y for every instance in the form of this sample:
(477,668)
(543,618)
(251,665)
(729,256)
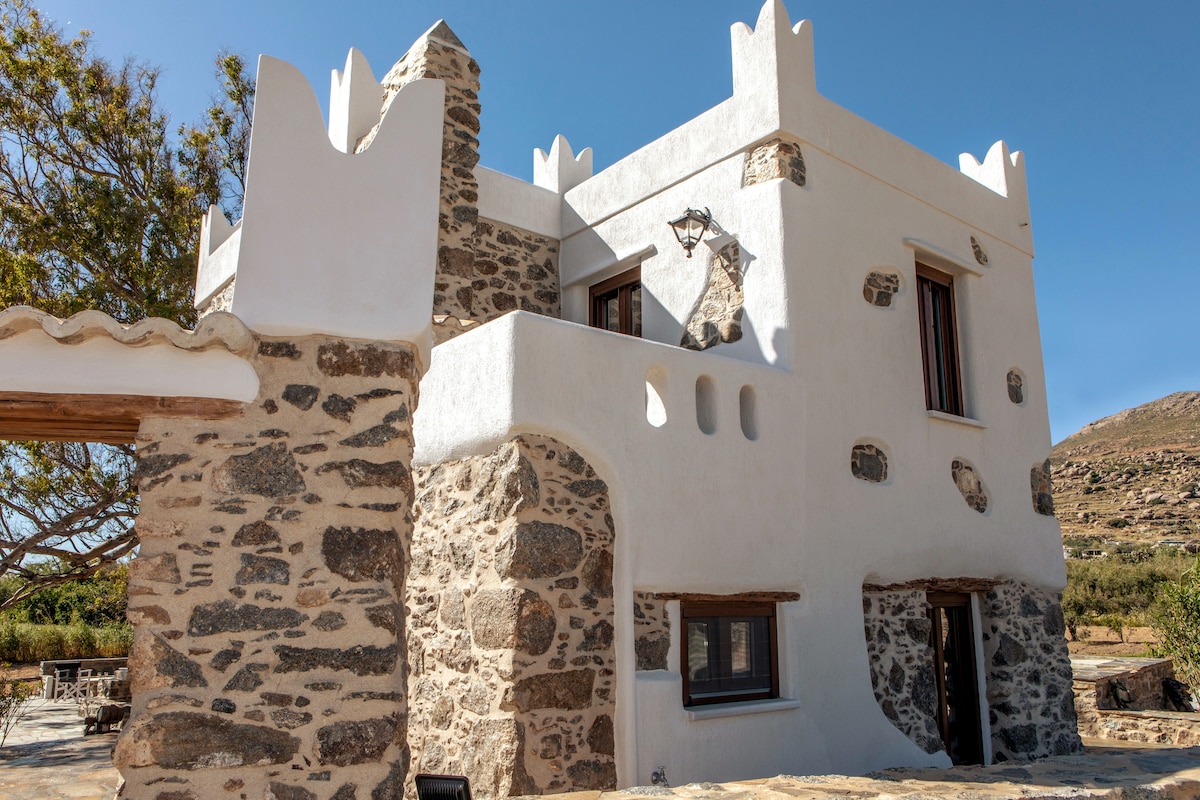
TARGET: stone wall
(485,268)
(440,54)
(897,629)
(266,598)
(717,316)
(510,632)
(1027,669)
(651,631)
(1028,673)
(514,269)
(1144,719)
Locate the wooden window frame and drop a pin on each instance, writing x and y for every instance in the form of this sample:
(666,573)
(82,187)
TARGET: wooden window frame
(939,341)
(730,609)
(622,285)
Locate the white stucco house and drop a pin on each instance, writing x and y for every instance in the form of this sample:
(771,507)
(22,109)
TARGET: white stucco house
(773,503)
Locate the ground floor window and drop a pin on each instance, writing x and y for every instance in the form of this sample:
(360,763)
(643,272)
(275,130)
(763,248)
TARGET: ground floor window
(730,652)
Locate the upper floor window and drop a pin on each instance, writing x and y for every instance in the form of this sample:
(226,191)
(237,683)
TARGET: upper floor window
(729,652)
(616,304)
(939,341)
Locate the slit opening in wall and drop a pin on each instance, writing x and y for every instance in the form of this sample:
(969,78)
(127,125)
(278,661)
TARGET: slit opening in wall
(748,410)
(656,407)
(706,404)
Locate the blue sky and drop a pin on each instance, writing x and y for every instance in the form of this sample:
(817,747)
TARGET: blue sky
(1103,97)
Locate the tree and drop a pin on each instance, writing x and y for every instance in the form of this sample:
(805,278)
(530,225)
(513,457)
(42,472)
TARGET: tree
(1175,619)
(99,208)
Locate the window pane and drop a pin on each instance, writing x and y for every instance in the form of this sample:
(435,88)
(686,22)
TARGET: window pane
(698,651)
(612,314)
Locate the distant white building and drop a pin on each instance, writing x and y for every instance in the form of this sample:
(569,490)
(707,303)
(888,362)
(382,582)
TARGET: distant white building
(774,503)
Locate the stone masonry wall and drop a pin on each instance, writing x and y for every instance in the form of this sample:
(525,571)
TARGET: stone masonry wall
(440,54)
(515,269)
(1028,673)
(897,630)
(510,633)
(651,630)
(266,599)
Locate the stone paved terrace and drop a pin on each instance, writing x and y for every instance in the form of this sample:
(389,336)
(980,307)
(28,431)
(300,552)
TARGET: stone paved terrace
(46,758)
(1144,772)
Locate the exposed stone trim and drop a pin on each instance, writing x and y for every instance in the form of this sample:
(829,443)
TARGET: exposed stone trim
(651,631)
(216,331)
(773,159)
(717,315)
(1040,488)
(266,597)
(980,256)
(512,666)
(1028,673)
(896,625)
(869,463)
(879,287)
(1015,384)
(969,484)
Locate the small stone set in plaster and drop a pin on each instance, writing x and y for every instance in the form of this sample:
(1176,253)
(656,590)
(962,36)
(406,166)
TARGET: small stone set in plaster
(1040,488)
(269,542)
(969,484)
(868,463)
(777,158)
(1016,387)
(977,249)
(717,316)
(651,631)
(1027,669)
(880,287)
(510,636)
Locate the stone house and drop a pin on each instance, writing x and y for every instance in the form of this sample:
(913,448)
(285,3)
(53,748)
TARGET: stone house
(778,503)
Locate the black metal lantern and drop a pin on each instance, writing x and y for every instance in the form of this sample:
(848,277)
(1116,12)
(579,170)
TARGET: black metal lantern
(690,227)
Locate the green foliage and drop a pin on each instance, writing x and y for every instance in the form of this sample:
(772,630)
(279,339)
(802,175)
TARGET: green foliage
(100,209)
(1119,590)
(24,643)
(98,600)
(15,696)
(1175,619)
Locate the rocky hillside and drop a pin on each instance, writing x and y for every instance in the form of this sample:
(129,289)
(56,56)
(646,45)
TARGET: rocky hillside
(1134,476)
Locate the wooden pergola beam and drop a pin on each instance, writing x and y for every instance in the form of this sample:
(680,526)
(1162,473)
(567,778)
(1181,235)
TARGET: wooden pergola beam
(105,418)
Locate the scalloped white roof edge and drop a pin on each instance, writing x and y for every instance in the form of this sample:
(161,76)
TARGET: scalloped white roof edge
(219,330)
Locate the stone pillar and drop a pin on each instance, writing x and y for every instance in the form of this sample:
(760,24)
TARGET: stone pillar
(268,655)
(510,634)
(440,54)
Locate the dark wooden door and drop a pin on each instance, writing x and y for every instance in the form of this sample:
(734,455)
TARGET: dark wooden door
(952,637)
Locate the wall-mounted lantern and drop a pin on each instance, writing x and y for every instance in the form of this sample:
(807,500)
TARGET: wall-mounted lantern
(690,227)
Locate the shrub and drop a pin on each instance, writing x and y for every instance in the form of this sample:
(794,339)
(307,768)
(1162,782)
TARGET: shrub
(15,696)
(25,643)
(1176,622)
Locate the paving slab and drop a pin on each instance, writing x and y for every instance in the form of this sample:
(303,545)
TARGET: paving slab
(47,757)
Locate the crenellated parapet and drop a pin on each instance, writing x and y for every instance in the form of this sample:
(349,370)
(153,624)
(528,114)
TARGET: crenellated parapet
(332,240)
(560,169)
